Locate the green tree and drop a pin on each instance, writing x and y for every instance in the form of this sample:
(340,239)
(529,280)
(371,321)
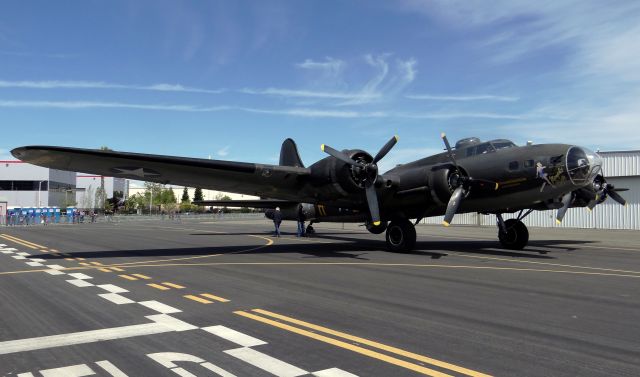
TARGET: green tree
(197,195)
(185,196)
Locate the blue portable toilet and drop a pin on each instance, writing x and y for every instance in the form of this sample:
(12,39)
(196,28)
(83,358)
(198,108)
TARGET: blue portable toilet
(70,211)
(56,215)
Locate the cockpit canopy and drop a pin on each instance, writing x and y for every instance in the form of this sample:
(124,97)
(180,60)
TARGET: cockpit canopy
(473,146)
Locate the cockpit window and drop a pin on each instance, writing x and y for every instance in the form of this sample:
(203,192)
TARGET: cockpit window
(484,148)
(502,144)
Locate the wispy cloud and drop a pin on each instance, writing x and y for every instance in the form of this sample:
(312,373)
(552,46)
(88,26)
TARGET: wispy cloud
(295,112)
(329,66)
(222,152)
(462,98)
(300,93)
(54,84)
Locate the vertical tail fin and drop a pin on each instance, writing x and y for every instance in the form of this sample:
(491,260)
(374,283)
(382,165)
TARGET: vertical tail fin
(289,155)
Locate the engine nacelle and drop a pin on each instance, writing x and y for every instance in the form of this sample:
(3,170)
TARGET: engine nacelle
(331,171)
(442,182)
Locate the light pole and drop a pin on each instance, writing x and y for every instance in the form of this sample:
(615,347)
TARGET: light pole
(39,187)
(150,200)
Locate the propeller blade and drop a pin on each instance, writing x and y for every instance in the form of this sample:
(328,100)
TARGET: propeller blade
(372,201)
(339,155)
(566,202)
(454,203)
(615,196)
(451,156)
(385,149)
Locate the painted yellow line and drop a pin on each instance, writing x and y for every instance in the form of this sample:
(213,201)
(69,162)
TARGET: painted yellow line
(44,250)
(81,259)
(96,263)
(6,236)
(369,264)
(117,269)
(54,250)
(198,299)
(145,277)
(371,343)
(176,286)
(84,264)
(20,243)
(69,259)
(158,286)
(213,297)
(548,264)
(127,277)
(105,270)
(350,347)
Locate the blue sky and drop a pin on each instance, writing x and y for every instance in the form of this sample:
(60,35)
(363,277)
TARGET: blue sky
(232,79)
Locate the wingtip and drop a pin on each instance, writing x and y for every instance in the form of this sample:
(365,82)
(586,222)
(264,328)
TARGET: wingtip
(445,223)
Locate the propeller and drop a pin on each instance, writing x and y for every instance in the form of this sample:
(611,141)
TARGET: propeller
(567,199)
(368,171)
(464,185)
(607,190)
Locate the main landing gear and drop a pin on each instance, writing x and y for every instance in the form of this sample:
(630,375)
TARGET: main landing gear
(401,236)
(512,233)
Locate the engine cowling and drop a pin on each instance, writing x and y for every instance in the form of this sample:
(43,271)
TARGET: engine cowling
(443,180)
(335,172)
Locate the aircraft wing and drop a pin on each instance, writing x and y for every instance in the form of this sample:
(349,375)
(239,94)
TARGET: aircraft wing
(258,203)
(274,181)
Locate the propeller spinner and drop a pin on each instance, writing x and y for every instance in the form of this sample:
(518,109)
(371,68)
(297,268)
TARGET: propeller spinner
(368,173)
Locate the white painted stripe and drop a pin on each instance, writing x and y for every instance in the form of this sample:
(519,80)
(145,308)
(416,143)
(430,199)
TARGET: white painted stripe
(18,257)
(115,298)
(234,336)
(56,267)
(23,253)
(28,374)
(266,362)
(160,307)
(38,260)
(80,370)
(80,275)
(110,368)
(3,244)
(80,283)
(217,370)
(54,272)
(333,372)
(9,248)
(6,251)
(92,336)
(170,322)
(112,288)
(34,264)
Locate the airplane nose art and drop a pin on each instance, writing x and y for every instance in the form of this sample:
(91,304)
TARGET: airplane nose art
(582,165)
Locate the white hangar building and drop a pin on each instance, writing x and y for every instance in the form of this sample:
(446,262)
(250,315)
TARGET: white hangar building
(621,169)
(24,185)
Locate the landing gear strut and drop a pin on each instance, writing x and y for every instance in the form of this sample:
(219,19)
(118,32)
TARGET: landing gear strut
(401,236)
(512,233)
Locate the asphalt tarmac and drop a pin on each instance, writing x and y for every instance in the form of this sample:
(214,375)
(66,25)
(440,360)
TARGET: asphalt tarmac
(205,298)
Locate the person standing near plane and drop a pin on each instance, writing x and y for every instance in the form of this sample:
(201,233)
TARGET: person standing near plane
(301,219)
(277,219)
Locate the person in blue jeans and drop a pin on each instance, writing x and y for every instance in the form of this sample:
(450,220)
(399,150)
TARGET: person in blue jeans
(301,219)
(277,219)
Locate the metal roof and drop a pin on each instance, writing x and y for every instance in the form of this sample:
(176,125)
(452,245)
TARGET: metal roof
(620,163)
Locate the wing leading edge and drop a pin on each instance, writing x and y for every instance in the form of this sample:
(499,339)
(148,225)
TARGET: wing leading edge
(274,181)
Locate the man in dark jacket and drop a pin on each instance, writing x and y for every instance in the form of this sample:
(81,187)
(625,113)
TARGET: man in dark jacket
(301,219)
(277,219)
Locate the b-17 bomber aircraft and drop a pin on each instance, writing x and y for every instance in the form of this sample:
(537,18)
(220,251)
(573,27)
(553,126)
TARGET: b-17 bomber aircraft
(491,177)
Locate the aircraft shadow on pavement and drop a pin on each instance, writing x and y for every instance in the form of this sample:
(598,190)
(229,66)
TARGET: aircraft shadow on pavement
(344,247)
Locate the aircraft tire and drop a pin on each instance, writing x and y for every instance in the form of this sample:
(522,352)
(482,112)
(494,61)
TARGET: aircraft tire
(379,229)
(401,236)
(516,237)
(310,230)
